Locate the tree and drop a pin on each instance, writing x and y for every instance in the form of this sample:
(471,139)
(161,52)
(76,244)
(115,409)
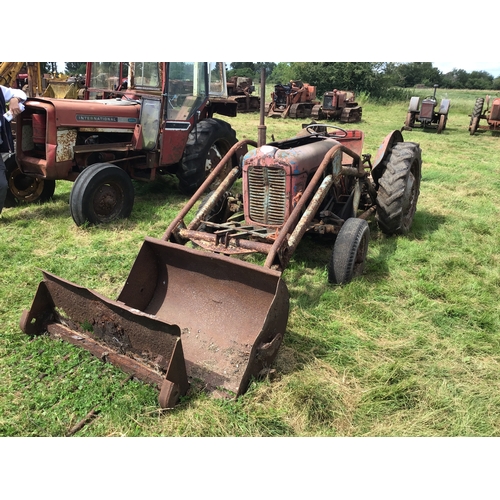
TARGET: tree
(415,73)
(268,66)
(282,73)
(479,80)
(75,68)
(250,69)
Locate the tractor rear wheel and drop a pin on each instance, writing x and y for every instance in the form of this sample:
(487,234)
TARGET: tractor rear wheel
(26,189)
(349,251)
(476,115)
(207,144)
(442,123)
(101,193)
(399,188)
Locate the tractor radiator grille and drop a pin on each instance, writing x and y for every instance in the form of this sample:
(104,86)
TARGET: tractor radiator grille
(267,195)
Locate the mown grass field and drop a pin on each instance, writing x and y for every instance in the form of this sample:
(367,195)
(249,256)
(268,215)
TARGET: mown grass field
(412,348)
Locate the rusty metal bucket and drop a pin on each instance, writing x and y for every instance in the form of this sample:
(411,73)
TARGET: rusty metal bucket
(183,315)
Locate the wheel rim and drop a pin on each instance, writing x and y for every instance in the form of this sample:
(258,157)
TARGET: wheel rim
(108,201)
(25,188)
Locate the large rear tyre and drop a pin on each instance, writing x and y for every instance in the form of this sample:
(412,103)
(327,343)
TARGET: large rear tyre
(476,115)
(26,189)
(207,144)
(101,193)
(442,123)
(349,251)
(399,188)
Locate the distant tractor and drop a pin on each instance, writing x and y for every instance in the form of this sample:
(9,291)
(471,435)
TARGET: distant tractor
(338,105)
(425,114)
(240,89)
(492,116)
(294,100)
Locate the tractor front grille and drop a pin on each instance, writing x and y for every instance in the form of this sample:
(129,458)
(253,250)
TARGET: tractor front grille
(267,195)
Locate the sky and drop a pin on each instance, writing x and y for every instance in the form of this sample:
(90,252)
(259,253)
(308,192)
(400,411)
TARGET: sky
(493,68)
(371,31)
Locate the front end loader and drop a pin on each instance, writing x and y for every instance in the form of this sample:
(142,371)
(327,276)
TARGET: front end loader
(193,310)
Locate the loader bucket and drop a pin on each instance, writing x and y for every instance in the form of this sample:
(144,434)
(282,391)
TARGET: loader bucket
(182,316)
(232,314)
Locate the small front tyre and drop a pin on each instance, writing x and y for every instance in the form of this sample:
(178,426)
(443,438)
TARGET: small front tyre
(349,251)
(101,193)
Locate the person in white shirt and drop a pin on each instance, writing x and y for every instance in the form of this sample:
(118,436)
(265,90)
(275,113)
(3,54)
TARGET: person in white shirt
(14,97)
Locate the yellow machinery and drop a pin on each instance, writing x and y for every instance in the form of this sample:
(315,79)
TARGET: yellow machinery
(9,76)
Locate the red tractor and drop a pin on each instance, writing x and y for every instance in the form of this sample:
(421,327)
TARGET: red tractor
(492,116)
(136,121)
(241,89)
(425,115)
(190,312)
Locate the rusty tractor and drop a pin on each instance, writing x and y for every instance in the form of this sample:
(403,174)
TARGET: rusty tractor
(492,116)
(193,311)
(339,105)
(425,115)
(240,89)
(294,100)
(136,121)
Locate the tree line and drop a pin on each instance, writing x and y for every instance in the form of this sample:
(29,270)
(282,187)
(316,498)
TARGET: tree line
(374,78)
(378,79)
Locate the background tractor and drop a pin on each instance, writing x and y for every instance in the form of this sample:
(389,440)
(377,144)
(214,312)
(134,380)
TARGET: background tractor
(424,113)
(241,89)
(136,121)
(492,116)
(338,105)
(294,100)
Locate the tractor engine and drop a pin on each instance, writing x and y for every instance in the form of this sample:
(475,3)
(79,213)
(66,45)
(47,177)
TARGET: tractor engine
(427,110)
(280,96)
(276,175)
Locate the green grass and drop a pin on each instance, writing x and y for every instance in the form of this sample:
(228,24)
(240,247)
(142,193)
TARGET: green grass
(409,349)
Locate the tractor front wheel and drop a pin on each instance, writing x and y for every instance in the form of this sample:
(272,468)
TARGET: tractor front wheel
(399,188)
(349,251)
(207,144)
(101,193)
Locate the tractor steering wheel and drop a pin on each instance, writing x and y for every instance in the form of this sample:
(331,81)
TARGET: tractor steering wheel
(310,128)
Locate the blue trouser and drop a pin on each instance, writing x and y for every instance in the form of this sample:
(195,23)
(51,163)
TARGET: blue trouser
(4,186)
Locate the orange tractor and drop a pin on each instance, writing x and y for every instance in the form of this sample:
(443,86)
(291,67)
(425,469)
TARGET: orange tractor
(294,100)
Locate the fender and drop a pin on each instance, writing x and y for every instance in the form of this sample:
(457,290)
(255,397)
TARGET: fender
(394,137)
